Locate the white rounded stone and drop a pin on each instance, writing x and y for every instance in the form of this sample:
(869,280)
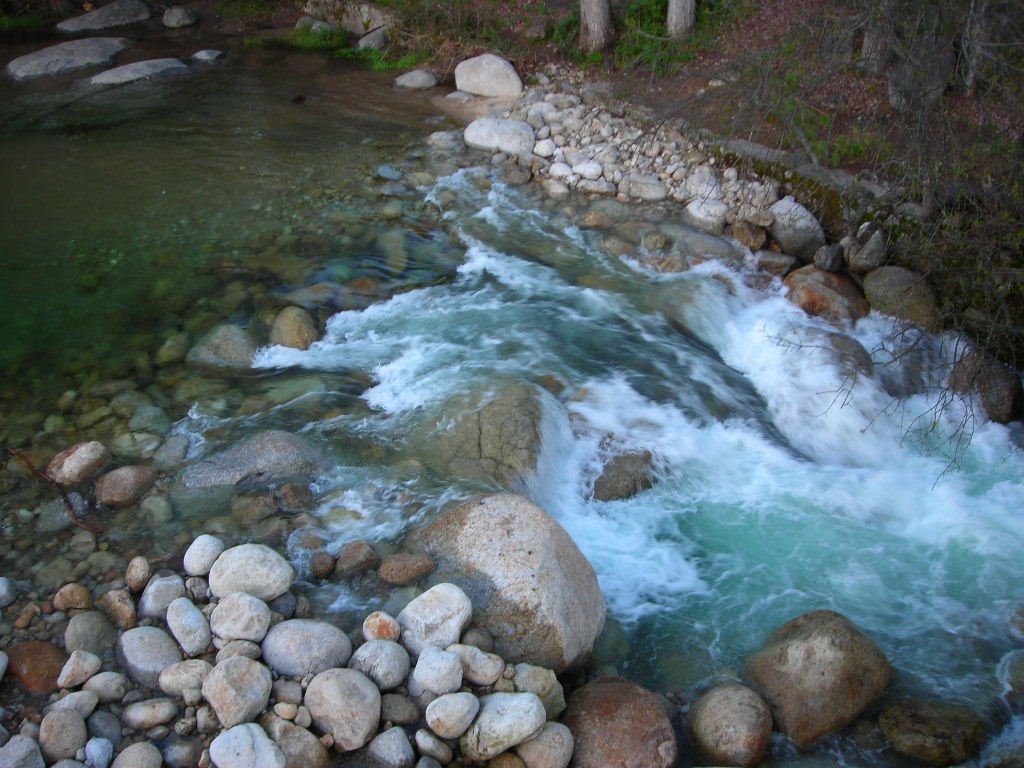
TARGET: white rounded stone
(383,661)
(202,554)
(301,647)
(437,618)
(252,568)
(450,715)
(240,616)
(189,626)
(346,704)
(246,746)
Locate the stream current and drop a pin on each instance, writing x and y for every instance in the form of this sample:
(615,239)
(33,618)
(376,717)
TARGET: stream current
(785,479)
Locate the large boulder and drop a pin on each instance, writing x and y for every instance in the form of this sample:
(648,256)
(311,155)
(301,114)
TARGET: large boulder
(488,75)
(827,294)
(731,725)
(494,134)
(140,70)
(818,672)
(67,57)
(795,229)
(934,732)
(998,386)
(616,722)
(904,294)
(529,584)
(267,457)
(119,13)
(488,437)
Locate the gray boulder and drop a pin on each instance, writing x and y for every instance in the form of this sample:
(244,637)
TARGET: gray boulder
(529,584)
(903,294)
(255,569)
(796,229)
(140,70)
(67,57)
(383,661)
(997,385)
(488,75)
(144,652)
(646,187)
(375,40)
(488,437)
(494,134)
(119,13)
(21,752)
(818,672)
(391,749)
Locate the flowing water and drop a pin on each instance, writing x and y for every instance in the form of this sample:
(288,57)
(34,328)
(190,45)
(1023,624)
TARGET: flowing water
(787,479)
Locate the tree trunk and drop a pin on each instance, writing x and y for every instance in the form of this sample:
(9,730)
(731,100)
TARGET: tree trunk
(596,31)
(682,14)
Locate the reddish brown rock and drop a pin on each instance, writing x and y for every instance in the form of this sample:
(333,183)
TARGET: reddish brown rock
(404,568)
(321,565)
(124,486)
(818,672)
(731,725)
(36,665)
(71,597)
(79,463)
(826,294)
(997,386)
(294,327)
(356,557)
(617,723)
(120,607)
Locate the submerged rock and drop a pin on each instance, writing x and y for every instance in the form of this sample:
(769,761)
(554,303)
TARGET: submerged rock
(529,584)
(140,70)
(616,722)
(79,463)
(818,672)
(67,57)
(624,476)
(119,13)
(418,79)
(227,346)
(934,732)
(264,458)
(488,437)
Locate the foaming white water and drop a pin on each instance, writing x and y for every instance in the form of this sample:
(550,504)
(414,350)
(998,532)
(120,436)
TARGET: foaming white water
(787,478)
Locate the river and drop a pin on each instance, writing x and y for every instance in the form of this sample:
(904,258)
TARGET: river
(785,481)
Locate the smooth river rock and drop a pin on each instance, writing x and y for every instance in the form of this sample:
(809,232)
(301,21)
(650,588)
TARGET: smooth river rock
(494,134)
(505,720)
(267,457)
(346,704)
(144,652)
(246,746)
(796,229)
(383,661)
(67,57)
(301,647)
(79,463)
(552,748)
(529,584)
(818,672)
(252,568)
(435,618)
(119,13)
(934,732)
(240,616)
(189,626)
(140,70)
(731,725)
(238,689)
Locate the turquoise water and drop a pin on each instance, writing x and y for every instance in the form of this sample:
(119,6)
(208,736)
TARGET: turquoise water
(784,484)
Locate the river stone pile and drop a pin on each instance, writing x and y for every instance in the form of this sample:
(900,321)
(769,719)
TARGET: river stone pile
(221,664)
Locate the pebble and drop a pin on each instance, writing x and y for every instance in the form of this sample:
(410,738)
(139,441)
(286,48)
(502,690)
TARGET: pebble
(120,607)
(143,715)
(162,590)
(142,754)
(137,574)
(144,652)
(104,725)
(391,749)
(90,631)
(383,661)
(437,617)
(72,596)
(202,554)
(301,647)
(80,666)
(450,715)
(381,626)
(437,671)
(431,746)
(108,686)
(253,568)
(99,752)
(246,746)
(185,675)
(189,626)
(8,592)
(62,733)
(21,752)
(240,616)
(238,689)
(82,702)
(478,667)
(552,748)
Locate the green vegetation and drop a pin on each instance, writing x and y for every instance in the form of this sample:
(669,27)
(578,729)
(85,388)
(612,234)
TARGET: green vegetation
(246,10)
(314,40)
(21,23)
(380,60)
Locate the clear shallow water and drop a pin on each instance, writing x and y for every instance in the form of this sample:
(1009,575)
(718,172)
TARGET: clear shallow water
(784,483)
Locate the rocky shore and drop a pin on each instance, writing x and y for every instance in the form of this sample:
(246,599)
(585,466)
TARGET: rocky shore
(209,651)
